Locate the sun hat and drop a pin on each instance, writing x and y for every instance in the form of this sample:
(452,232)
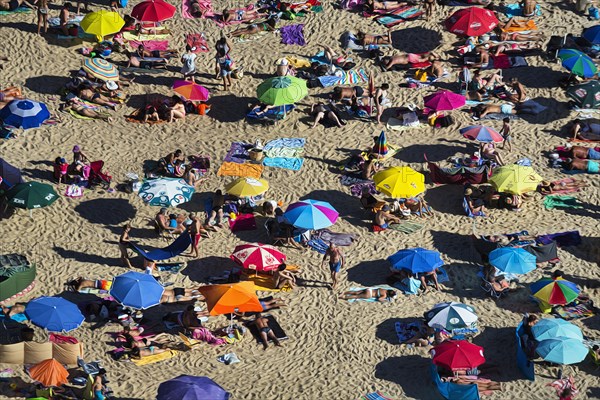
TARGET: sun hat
(282,62)
(112,85)
(76,149)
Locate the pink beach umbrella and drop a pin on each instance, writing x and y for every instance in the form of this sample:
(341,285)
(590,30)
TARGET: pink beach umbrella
(258,256)
(311,214)
(444,101)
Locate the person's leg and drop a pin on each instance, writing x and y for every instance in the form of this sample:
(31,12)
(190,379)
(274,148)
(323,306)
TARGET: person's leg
(272,336)
(498,158)
(264,339)
(318,118)
(334,279)
(331,115)
(39,23)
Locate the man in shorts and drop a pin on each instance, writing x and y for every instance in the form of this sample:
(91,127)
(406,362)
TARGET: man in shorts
(336,262)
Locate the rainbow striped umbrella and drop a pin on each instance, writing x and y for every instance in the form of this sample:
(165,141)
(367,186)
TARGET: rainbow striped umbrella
(191,91)
(481,134)
(555,292)
(101,69)
(381,146)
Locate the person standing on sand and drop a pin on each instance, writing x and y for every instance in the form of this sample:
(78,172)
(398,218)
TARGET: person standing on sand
(124,245)
(336,262)
(194,229)
(42,15)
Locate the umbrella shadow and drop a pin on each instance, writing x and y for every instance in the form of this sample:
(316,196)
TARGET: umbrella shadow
(21,388)
(46,84)
(85,257)
(446,199)
(416,39)
(369,273)
(588,250)
(455,245)
(106,211)
(435,152)
(196,203)
(386,330)
(403,370)
(37,173)
(530,77)
(495,342)
(554,111)
(201,269)
(230,108)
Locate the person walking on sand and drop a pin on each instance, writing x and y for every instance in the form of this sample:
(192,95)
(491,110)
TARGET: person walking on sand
(505,132)
(188,59)
(124,245)
(194,229)
(336,262)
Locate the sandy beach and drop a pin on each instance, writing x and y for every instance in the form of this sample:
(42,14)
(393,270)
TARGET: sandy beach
(336,350)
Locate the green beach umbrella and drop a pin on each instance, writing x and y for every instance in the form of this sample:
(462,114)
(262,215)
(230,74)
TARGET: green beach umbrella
(577,62)
(281,90)
(31,195)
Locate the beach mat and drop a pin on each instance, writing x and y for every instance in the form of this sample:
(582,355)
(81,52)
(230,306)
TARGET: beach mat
(241,170)
(144,37)
(371,300)
(136,70)
(407,227)
(20,10)
(265,283)
(155,358)
(273,324)
(174,249)
(573,312)
(404,331)
(293,164)
(399,16)
(375,396)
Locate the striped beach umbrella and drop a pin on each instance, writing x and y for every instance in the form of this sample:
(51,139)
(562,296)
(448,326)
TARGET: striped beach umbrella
(190,90)
(311,214)
(24,114)
(578,63)
(481,133)
(555,292)
(258,256)
(101,69)
(451,315)
(381,146)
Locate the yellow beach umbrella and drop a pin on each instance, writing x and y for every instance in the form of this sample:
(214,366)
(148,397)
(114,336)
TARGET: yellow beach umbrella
(102,23)
(247,187)
(515,179)
(400,182)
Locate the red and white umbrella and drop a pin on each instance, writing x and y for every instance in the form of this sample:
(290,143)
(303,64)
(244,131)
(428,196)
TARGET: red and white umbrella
(258,256)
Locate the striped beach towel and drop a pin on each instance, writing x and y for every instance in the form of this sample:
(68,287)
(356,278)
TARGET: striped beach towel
(375,396)
(399,16)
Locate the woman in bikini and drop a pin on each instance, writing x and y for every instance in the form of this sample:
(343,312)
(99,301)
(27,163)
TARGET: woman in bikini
(88,94)
(76,105)
(42,15)
(489,151)
(409,58)
(176,109)
(124,245)
(381,295)
(365,39)
(267,26)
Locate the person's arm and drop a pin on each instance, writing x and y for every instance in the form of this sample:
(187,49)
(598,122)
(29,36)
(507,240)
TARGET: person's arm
(324,258)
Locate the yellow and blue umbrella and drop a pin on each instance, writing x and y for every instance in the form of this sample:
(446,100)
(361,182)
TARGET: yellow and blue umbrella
(54,314)
(512,260)
(551,328)
(577,62)
(101,69)
(562,350)
(136,290)
(24,114)
(399,182)
(102,23)
(311,214)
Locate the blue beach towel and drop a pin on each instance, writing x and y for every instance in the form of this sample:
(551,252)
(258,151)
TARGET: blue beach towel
(284,142)
(293,164)
(318,245)
(515,10)
(174,249)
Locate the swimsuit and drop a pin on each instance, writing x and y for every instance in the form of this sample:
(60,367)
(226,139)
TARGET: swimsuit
(263,305)
(266,329)
(593,167)
(98,395)
(335,267)
(196,239)
(103,284)
(506,109)
(593,154)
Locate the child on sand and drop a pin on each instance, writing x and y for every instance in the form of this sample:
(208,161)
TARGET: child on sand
(505,132)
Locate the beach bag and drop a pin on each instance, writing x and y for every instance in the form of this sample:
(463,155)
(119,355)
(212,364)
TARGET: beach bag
(421,75)
(445,121)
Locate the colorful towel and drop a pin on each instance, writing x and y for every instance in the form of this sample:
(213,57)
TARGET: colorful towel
(407,227)
(284,142)
(371,300)
(399,16)
(238,153)
(349,180)
(551,202)
(573,312)
(169,267)
(145,36)
(241,170)
(198,41)
(286,152)
(155,358)
(293,164)
(218,18)
(318,245)
(17,11)
(375,396)
(357,189)
(293,34)
(529,26)
(150,45)
(404,330)
(352,77)
(205,6)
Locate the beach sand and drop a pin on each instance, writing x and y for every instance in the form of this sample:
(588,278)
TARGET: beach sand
(336,350)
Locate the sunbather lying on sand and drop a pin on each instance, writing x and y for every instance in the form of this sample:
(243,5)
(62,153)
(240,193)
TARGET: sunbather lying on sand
(381,295)
(561,186)
(584,130)
(584,153)
(482,383)
(265,331)
(9,311)
(142,53)
(408,59)
(366,39)
(575,164)
(87,93)
(375,5)
(241,15)
(9,94)
(267,26)
(324,112)
(12,5)
(78,107)
(140,62)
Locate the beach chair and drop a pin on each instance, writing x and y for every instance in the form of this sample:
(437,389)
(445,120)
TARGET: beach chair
(468,211)
(523,363)
(489,288)
(453,391)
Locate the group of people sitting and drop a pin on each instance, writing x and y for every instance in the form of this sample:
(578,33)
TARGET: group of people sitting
(176,165)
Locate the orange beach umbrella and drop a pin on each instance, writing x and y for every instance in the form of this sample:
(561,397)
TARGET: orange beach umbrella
(225,299)
(49,373)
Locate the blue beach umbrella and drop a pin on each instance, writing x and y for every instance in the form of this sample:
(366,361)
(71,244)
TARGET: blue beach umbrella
(577,62)
(551,328)
(9,175)
(311,214)
(24,114)
(512,260)
(136,290)
(416,260)
(187,387)
(54,314)
(592,34)
(562,350)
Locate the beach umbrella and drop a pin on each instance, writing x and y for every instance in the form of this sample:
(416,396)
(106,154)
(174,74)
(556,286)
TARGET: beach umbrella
(555,292)
(451,315)
(515,179)
(577,62)
(562,350)
(444,100)
(31,195)
(101,69)
(102,23)
(550,328)
(472,21)
(592,34)
(512,260)
(311,214)
(457,354)
(258,256)
(187,387)
(166,192)
(247,187)
(190,90)
(9,175)
(24,114)
(481,134)
(400,182)
(153,11)
(416,260)
(54,314)
(136,290)
(381,147)
(586,95)
(49,373)
(229,298)
(281,90)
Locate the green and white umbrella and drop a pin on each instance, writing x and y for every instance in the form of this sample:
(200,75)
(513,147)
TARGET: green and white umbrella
(30,195)
(451,315)
(166,192)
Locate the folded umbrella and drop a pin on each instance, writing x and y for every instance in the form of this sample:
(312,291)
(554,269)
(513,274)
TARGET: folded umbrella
(451,315)
(136,290)
(381,147)
(551,328)
(417,260)
(562,350)
(512,260)
(311,214)
(24,114)
(457,354)
(54,314)
(258,256)
(187,387)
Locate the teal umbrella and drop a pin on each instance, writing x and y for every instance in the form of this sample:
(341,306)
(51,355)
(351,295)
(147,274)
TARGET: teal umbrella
(166,192)
(562,350)
(31,195)
(549,328)
(281,90)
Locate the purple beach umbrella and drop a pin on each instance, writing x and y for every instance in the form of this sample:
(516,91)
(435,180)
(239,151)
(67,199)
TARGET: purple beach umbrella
(188,387)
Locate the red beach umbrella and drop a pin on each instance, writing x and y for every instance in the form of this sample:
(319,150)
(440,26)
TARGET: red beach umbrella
(457,354)
(471,21)
(258,256)
(153,11)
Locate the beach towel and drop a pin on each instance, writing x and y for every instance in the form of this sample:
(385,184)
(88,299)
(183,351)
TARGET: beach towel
(265,283)
(273,324)
(529,26)
(243,222)
(238,152)
(197,41)
(351,77)
(155,358)
(500,116)
(272,114)
(349,180)
(357,189)
(337,238)
(19,10)
(318,245)
(371,300)
(552,202)
(562,239)
(241,170)
(293,34)
(404,330)
(150,45)
(205,6)
(170,267)
(143,71)
(399,15)
(396,124)
(375,396)
(206,336)
(145,36)
(515,10)
(55,21)
(284,152)
(293,164)
(407,227)
(80,35)
(174,249)
(573,312)
(284,142)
